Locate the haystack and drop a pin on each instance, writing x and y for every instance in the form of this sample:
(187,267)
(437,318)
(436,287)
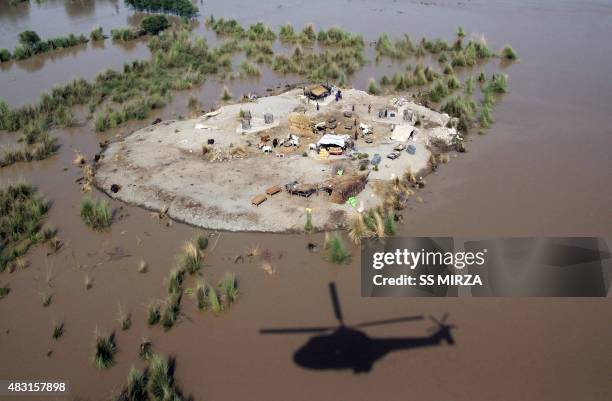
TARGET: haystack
(343,187)
(299,124)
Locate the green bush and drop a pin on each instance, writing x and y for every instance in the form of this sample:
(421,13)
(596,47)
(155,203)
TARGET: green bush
(154,24)
(183,8)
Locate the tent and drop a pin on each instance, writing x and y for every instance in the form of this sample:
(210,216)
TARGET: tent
(332,140)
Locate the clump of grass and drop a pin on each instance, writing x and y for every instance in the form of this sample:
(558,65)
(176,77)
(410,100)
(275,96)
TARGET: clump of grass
(469,85)
(153,314)
(462,108)
(191,259)
(460,32)
(226,96)
(175,281)
(124,318)
(438,91)
(202,295)
(88,281)
(105,349)
(145,350)
(58,330)
(358,229)
(229,288)
(160,380)
(193,104)
(22,212)
(485,118)
(497,84)
(375,223)
(249,69)
(373,89)
(172,309)
(136,388)
(96,34)
(390,224)
(96,215)
(46,299)
(213,300)
(308,227)
(452,82)
(509,53)
(4,291)
(336,250)
(142,266)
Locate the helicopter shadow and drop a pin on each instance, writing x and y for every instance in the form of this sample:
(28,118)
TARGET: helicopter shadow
(348,347)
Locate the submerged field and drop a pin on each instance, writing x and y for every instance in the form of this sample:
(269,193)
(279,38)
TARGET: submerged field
(98,286)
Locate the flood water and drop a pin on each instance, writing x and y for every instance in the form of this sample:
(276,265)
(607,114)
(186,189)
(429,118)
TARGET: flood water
(543,169)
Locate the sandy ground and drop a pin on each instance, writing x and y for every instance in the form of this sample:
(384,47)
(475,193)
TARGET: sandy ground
(162,166)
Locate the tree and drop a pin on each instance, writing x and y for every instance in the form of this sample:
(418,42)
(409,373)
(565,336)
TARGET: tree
(154,24)
(29,38)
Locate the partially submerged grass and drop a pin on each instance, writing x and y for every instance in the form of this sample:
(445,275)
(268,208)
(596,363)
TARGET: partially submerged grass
(4,291)
(390,224)
(105,349)
(172,309)
(202,295)
(124,318)
(46,299)
(21,214)
(96,214)
(226,96)
(58,330)
(175,281)
(497,84)
(336,250)
(145,351)
(509,53)
(191,259)
(308,227)
(142,266)
(155,383)
(229,288)
(202,242)
(213,300)
(153,314)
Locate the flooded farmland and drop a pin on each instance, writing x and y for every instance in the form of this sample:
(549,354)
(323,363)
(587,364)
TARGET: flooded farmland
(542,169)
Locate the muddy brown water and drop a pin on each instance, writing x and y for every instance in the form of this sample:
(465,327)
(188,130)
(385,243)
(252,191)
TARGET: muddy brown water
(542,169)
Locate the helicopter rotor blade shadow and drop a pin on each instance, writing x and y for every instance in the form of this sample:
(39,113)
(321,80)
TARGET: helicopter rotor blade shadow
(336,302)
(389,321)
(296,330)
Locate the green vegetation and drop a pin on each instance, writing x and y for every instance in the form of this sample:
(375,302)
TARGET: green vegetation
(213,300)
(306,38)
(184,8)
(390,224)
(190,261)
(438,91)
(154,24)
(308,227)
(153,314)
(400,49)
(202,295)
(104,350)
(460,32)
(155,383)
(172,309)
(338,37)
(5,55)
(373,89)
(21,214)
(229,288)
(462,108)
(4,291)
(249,69)
(336,251)
(96,34)
(30,44)
(96,215)
(125,34)
(124,318)
(509,54)
(497,84)
(485,118)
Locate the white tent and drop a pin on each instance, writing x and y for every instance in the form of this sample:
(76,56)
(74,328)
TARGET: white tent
(333,140)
